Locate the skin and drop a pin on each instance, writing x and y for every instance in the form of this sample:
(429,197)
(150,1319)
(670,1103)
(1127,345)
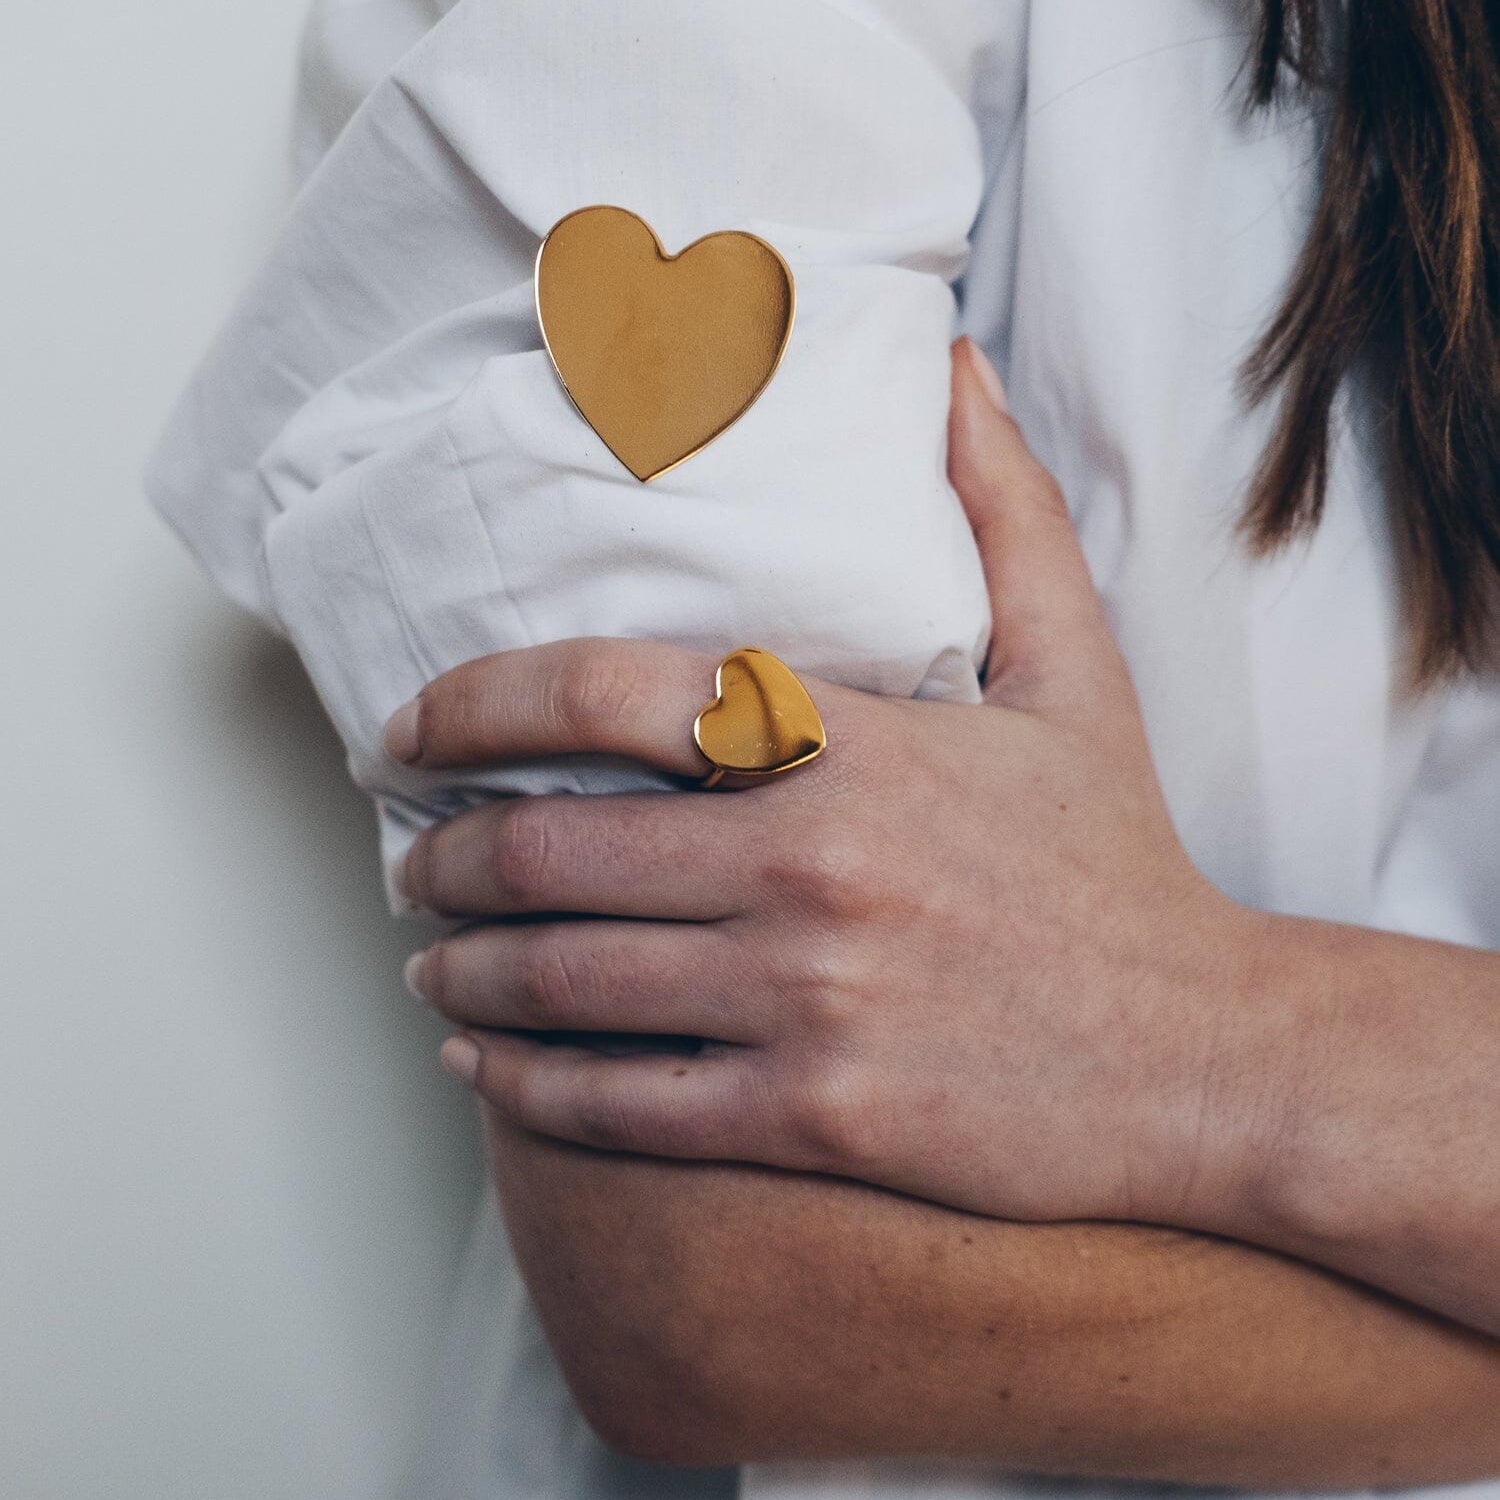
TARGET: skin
(1097,1032)
(712,1314)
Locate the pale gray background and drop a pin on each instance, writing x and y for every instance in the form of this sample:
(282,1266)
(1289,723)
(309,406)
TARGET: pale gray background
(233,1184)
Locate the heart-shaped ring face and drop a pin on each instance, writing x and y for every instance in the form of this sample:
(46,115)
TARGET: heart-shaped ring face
(763,721)
(660,353)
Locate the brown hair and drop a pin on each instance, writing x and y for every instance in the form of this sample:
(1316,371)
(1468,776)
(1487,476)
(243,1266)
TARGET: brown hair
(1399,280)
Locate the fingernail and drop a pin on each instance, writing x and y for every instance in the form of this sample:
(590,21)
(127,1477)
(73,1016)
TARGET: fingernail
(989,376)
(402,741)
(412,974)
(460,1057)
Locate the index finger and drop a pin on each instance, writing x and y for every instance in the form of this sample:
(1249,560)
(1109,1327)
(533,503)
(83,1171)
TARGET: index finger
(599,696)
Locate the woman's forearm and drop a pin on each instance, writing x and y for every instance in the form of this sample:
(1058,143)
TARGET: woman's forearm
(715,1314)
(1366,1114)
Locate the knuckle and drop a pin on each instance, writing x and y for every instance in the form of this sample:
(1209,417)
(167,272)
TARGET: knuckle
(1047,494)
(521,853)
(1023,467)
(830,870)
(595,687)
(830,984)
(636,1121)
(833,1118)
(549,986)
(607,1124)
(452,711)
(1019,681)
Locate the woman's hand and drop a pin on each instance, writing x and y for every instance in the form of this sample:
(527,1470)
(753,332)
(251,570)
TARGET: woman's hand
(963,955)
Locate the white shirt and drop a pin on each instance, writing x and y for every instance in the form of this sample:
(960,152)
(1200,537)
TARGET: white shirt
(377,456)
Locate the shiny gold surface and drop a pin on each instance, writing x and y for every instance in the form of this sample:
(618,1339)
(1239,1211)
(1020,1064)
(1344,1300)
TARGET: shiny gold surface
(660,353)
(762,722)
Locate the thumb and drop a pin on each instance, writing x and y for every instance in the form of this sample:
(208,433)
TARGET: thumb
(1051,647)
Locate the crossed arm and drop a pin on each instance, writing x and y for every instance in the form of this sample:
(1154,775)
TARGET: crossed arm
(715,1314)
(1063,1024)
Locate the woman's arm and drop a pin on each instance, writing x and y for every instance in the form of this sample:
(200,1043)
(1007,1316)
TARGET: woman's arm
(964,955)
(1376,1146)
(715,1314)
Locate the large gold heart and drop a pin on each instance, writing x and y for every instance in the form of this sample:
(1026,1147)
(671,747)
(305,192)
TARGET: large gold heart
(660,353)
(763,721)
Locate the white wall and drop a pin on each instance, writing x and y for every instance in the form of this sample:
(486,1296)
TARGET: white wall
(232,1181)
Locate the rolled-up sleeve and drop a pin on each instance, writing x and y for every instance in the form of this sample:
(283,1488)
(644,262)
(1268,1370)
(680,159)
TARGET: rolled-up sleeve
(377,457)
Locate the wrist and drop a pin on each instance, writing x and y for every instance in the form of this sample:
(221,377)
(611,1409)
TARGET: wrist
(1239,1082)
(1343,1107)
(1285,1166)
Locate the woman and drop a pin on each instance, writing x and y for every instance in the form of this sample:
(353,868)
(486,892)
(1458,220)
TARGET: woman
(1005,959)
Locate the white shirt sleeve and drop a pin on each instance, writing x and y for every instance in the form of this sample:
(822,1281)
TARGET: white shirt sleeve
(378,457)
(348,47)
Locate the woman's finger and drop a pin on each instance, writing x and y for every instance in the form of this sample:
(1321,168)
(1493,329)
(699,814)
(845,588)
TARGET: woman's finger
(641,978)
(690,858)
(701,1107)
(1052,646)
(616,697)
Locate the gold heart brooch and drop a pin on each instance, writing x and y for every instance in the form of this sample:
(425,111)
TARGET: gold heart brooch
(661,354)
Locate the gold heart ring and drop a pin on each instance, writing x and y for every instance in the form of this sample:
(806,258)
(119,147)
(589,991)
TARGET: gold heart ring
(761,723)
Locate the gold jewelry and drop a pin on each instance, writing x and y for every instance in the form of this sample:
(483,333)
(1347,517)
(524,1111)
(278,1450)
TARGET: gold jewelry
(761,724)
(660,353)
